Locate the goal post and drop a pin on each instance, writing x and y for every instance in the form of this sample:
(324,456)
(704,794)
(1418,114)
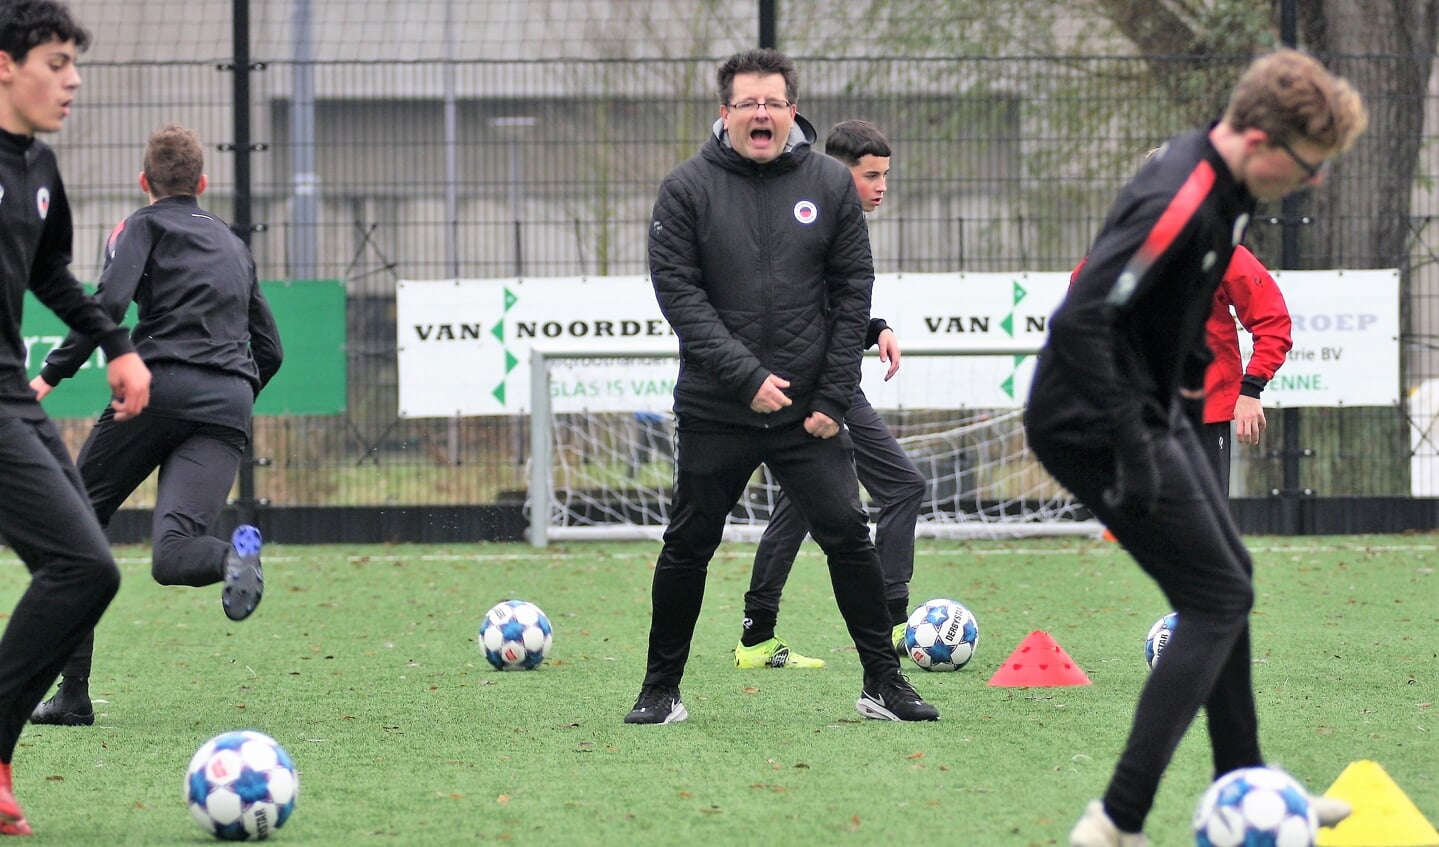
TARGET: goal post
(606,470)
(547,514)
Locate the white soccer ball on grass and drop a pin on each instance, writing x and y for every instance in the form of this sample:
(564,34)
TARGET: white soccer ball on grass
(241,786)
(516,636)
(941,635)
(1255,807)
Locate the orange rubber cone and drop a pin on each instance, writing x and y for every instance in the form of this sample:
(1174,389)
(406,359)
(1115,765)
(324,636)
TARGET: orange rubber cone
(1038,662)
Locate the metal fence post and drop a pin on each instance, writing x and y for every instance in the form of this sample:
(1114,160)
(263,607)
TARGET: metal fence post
(540,449)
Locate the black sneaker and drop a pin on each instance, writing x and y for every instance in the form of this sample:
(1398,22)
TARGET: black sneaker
(61,710)
(893,699)
(658,704)
(244,581)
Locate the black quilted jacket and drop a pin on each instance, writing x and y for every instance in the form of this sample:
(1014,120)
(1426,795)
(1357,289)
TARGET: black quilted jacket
(762,269)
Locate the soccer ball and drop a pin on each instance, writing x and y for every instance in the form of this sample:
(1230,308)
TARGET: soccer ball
(241,785)
(1255,807)
(941,635)
(516,636)
(1158,637)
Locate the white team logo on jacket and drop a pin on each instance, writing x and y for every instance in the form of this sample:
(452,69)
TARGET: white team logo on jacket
(42,202)
(806,212)
(2,193)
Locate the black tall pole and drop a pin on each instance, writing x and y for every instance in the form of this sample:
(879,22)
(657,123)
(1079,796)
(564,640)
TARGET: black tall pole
(1289,206)
(1289,222)
(767,23)
(242,226)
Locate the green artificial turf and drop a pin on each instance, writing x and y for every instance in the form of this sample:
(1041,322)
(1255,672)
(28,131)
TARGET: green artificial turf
(362,662)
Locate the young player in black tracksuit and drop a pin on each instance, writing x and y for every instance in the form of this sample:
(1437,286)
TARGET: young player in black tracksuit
(760,261)
(889,476)
(210,340)
(1120,379)
(44,514)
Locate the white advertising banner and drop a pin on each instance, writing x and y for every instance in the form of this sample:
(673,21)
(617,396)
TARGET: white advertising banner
(1006,313)
(1346,339)
(464,345)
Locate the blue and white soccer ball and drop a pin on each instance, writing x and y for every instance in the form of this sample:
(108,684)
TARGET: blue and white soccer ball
(941,635)
(516,636)
(1255,807)
(1158,637)
(241,785)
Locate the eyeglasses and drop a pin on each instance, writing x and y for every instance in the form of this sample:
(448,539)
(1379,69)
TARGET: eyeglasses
(752,105)
(1312,170)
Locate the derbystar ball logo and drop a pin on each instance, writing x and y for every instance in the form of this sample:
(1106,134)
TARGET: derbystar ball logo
(806,212)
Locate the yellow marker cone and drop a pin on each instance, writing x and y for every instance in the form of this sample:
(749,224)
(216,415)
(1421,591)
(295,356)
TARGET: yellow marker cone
(1384,816)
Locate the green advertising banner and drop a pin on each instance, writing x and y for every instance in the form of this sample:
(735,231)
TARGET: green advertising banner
(311,317)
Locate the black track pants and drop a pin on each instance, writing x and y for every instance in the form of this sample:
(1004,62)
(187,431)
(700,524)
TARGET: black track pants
(1191,548)
(197,464)
(47,519)
(894,484)
(712,469)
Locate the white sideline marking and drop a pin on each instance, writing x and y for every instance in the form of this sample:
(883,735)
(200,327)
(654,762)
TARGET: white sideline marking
(1089,548)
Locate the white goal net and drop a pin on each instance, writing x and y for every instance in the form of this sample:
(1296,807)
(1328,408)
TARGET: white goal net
(609,474)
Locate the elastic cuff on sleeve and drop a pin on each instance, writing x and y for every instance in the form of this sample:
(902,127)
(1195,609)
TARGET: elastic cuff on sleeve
(835,414)
(1252,386)
(876,326)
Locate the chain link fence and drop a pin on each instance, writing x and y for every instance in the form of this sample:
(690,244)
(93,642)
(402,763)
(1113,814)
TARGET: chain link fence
(438,139)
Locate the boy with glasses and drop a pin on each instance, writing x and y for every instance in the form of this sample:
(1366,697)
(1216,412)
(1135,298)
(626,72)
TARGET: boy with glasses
(1106,414)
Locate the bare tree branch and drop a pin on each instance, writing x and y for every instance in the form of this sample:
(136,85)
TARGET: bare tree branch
(1152,26)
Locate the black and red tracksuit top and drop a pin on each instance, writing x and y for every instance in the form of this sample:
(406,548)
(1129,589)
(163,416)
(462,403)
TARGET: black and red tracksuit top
(1131,330)
(1259,305)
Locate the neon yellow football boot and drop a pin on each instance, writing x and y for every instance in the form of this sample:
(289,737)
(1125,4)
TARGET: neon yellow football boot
(772,654)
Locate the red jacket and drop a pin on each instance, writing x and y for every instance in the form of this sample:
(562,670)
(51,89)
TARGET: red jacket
(1248,287)
(1257,301)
